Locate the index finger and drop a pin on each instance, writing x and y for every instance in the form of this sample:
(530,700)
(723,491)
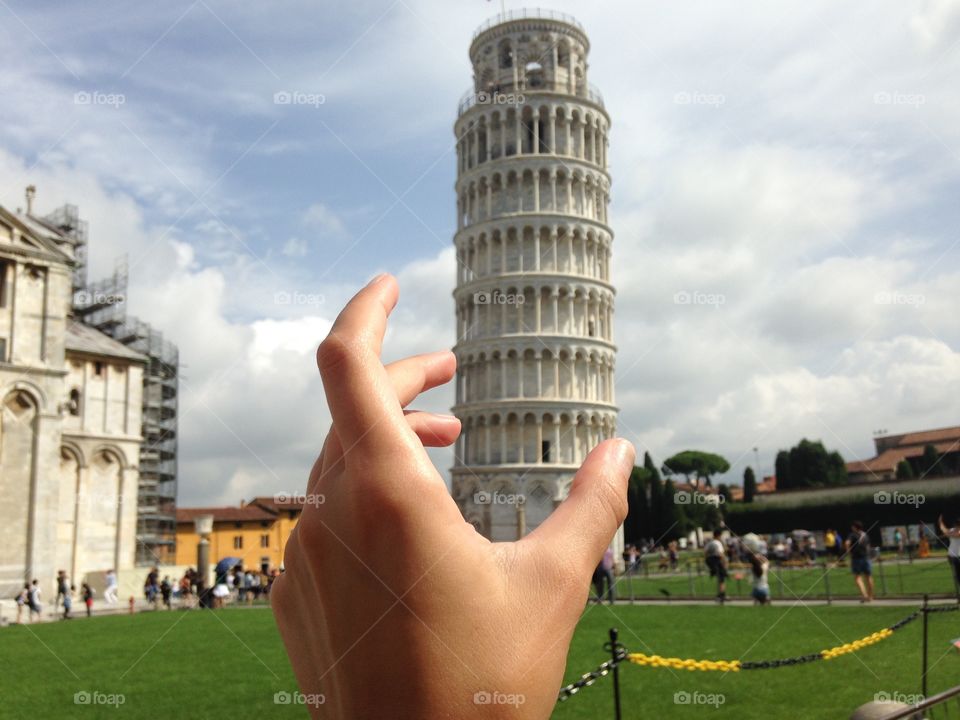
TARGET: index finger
(363,403)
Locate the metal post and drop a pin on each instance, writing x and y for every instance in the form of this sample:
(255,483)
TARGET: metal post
(203,570)
(631,573)
(923,676)
(826,582)
(883,577)
(900,576)
(616,672)
(693,592)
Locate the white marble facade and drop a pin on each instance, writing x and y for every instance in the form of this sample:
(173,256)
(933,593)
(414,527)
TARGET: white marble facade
(534,301)
(70,413)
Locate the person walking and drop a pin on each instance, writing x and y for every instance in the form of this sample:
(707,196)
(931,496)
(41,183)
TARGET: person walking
(858,548)
(953,550)
(604,574)
(716,560)
(110,594)
(86,592)
(68,601)
(23,599)
(33,600)
(63,588)
(761,584)
(166,590)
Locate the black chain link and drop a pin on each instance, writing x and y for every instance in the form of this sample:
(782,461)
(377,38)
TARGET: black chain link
(906,621)
(588,679)
(943,608)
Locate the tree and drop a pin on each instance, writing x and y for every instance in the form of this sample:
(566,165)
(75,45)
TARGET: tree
(636,526)
(930,459)
(672,517)
(724,491)
(904,470)
(808,464)
(749,485)
(656,498)
(782,470)
(701,465)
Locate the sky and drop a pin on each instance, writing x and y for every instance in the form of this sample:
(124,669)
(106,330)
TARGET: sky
(784,203)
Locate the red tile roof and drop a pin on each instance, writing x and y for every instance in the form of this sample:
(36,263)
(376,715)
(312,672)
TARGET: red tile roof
(245,513)
(278,503)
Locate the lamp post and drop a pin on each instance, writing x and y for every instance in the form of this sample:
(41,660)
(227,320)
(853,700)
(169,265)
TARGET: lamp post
(756,458)
(203,524)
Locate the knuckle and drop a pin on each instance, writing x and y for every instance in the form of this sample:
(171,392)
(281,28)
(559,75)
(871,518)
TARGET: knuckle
(334,352)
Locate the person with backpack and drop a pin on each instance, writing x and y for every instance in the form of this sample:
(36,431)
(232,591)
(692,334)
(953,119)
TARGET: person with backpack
(716,559)
(858,548)
(86,592)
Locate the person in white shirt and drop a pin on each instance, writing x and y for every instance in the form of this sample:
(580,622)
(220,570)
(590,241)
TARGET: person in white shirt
(953,551)
(110,594)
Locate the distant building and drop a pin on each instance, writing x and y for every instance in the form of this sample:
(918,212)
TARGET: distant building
(892,449)
(256,532)
(70,404)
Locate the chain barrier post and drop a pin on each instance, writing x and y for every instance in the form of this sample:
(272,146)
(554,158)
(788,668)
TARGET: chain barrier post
(900,574)
(693,592)
(615,662)
(923,675)
(883,577)
(826,581)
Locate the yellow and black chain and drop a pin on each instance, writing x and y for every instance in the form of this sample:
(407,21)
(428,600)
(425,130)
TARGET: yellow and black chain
(738,665)
(588,679)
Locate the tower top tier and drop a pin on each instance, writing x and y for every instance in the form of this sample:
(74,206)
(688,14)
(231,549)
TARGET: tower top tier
(528,50)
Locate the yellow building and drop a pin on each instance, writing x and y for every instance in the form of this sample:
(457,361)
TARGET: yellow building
(256,532)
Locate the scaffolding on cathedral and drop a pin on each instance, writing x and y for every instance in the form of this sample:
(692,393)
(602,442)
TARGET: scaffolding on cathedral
(102,305)
(66,219)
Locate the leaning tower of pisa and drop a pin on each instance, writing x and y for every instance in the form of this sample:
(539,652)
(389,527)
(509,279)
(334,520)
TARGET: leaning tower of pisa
(534,301)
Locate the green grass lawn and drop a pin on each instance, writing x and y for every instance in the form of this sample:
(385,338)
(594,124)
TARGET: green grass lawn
(933,577)
(206,664)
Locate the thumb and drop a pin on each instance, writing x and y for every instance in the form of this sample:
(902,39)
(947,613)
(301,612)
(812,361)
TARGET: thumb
(581,528)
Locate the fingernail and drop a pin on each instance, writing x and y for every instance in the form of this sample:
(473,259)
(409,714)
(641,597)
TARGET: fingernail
(626,455)
(377,279)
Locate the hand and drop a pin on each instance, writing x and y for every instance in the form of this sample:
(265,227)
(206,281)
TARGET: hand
(391,604)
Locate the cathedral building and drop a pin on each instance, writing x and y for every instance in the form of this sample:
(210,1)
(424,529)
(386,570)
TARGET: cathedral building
(70,418)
